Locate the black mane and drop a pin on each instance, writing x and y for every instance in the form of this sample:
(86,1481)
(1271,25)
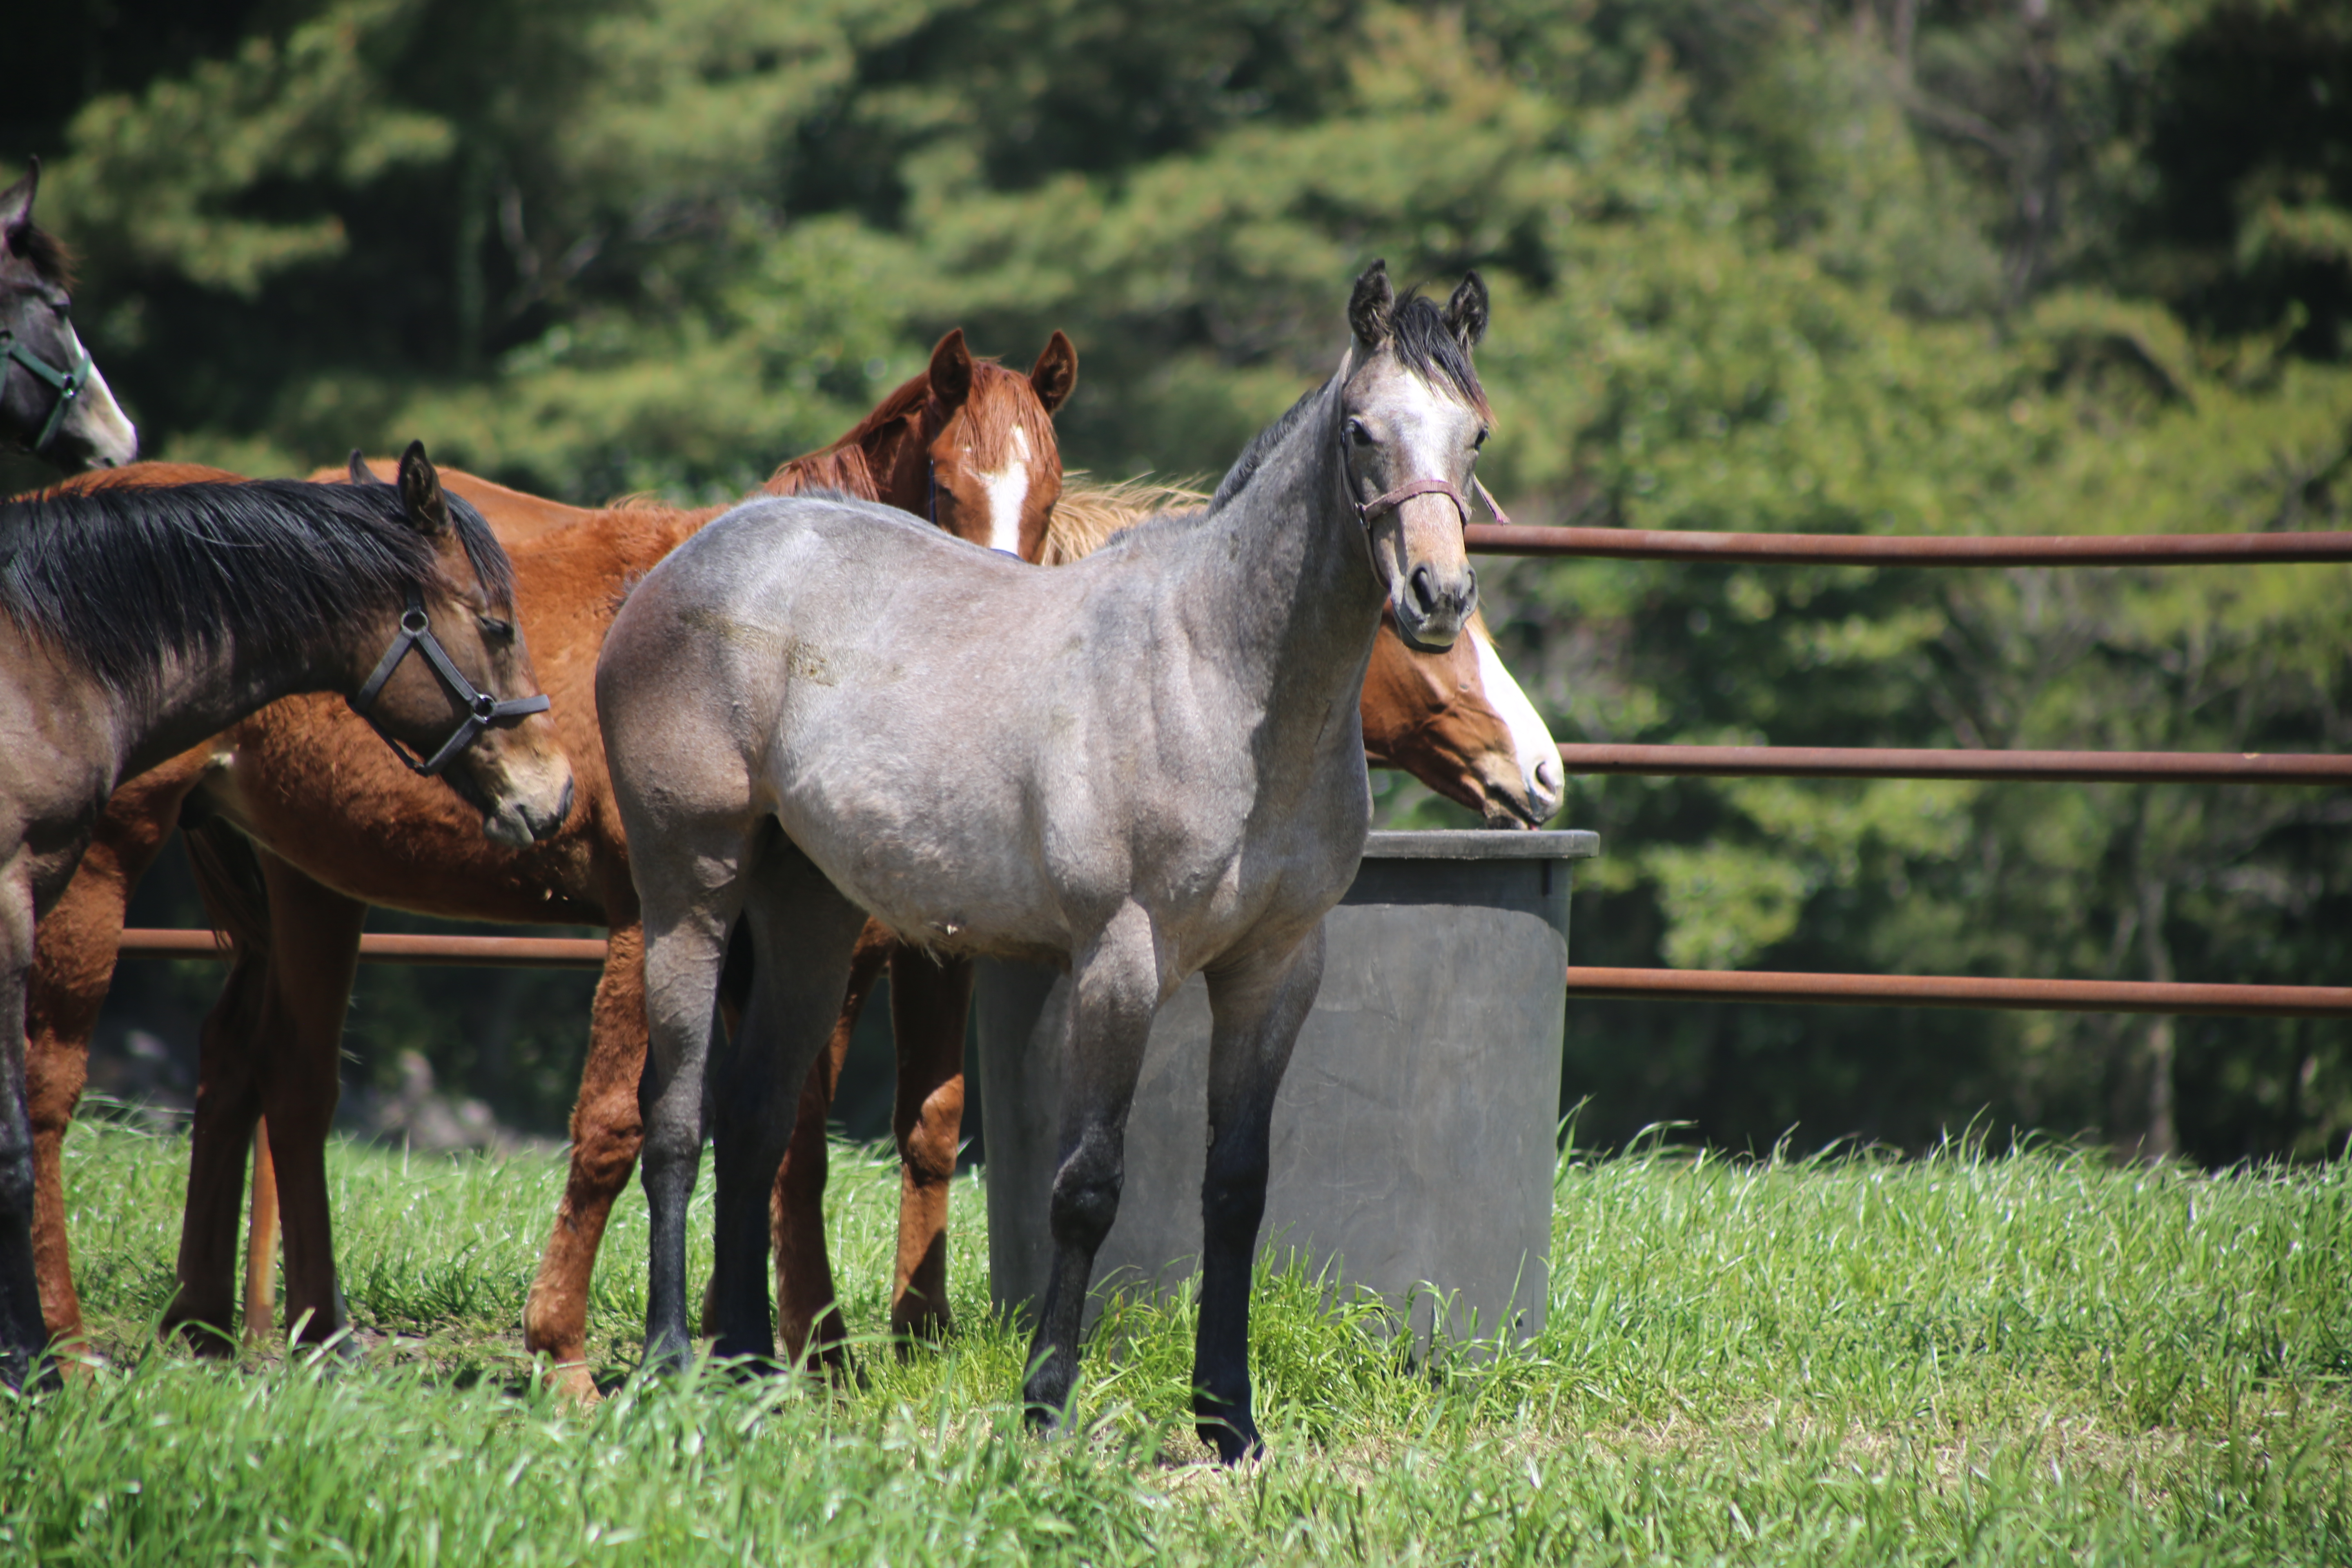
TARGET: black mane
(124,578)
(1426,346)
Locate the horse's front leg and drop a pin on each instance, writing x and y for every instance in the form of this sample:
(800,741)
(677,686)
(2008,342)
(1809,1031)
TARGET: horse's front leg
(1114,988)
(22,1334)
(929,1000)
(804,934)
(1258,1007)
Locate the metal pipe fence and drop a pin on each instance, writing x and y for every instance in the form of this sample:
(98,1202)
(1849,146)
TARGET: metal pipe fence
(1764,762)
(1931,762)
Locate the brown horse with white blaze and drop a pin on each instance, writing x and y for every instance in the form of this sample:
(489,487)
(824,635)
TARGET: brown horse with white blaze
(135,618)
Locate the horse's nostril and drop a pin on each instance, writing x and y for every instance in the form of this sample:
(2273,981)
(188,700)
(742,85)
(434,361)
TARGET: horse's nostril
(1424,595)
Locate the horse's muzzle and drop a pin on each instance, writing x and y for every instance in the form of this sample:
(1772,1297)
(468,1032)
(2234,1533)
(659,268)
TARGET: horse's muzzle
(518,823)
(1433,605)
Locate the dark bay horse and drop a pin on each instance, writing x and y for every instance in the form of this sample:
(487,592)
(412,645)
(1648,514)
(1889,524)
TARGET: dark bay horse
(338,827)
(135,620)
(1141,766)
(53,402)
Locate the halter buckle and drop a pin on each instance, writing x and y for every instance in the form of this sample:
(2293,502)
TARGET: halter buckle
(483,712)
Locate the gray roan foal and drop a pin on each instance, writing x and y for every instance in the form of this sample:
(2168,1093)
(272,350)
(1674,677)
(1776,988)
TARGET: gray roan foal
(1140,766)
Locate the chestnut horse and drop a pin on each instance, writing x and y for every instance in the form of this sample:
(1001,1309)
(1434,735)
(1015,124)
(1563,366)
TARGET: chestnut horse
(53,402)
(134,619)
(967,443)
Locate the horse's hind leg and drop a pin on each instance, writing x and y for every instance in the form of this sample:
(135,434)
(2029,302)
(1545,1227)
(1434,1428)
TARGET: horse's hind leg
(1258,1007)
(804,934)
(689,887)
(929,1002)
(607,1130)
(806,1306)
(1115,990)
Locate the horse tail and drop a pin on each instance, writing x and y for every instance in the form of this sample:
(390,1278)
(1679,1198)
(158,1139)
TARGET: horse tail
(228,879)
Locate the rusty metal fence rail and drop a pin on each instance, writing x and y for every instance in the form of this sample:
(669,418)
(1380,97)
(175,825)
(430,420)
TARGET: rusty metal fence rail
(1767,762)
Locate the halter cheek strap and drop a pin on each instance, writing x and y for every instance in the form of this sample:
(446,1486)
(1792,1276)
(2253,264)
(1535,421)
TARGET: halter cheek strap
(68,382)
(482,710)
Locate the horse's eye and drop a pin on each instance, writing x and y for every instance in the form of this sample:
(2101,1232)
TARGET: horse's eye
(1358,434)
(1479,441)
(496,630)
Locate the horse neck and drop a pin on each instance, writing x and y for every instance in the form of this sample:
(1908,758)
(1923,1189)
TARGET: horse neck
(1280,580)
(899,458)
(195,696)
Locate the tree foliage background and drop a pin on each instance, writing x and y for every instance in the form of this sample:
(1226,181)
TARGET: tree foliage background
(1854,266)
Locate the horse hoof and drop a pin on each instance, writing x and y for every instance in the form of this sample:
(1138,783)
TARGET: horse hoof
(1234,1441)
(568,1381)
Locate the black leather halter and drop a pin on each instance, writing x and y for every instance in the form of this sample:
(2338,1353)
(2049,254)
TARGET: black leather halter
(482,710)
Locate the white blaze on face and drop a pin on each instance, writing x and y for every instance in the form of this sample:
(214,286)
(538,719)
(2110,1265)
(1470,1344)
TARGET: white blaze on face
(96,419)
(1538,758)
(1008,494)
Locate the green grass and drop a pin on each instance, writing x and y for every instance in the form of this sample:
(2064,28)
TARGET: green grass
(1955,1359)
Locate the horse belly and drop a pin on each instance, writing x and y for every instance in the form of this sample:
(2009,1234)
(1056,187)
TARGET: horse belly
(942,865)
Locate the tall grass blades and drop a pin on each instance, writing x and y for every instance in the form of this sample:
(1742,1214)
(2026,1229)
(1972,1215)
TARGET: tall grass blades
(1850,1359)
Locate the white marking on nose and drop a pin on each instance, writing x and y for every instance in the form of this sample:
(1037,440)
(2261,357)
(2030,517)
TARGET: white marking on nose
(1538,756)
(1008,491)
(97,418)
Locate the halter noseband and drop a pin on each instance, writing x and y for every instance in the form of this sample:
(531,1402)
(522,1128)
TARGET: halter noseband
(1405,492)
(482,710)
(68,382)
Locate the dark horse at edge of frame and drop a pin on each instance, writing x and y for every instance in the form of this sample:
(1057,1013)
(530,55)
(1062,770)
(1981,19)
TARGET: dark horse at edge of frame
(1140,766)
(55,407)
(135,621)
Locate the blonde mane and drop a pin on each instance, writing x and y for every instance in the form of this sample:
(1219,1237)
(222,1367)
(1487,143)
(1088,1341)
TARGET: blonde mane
(1091,511)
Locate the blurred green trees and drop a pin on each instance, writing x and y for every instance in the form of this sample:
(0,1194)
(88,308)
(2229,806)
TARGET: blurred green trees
(1863,265)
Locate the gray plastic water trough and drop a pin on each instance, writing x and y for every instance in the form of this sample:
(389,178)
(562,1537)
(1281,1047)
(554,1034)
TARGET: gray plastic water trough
(1414,1136)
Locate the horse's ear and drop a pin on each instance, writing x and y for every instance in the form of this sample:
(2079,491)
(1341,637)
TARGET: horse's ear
(1372,305)
(1055,374)
(951,370)
(16,205)
(361,473)
(420,491)
(1465,313)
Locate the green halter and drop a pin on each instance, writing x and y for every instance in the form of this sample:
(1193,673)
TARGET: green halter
(68,382)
